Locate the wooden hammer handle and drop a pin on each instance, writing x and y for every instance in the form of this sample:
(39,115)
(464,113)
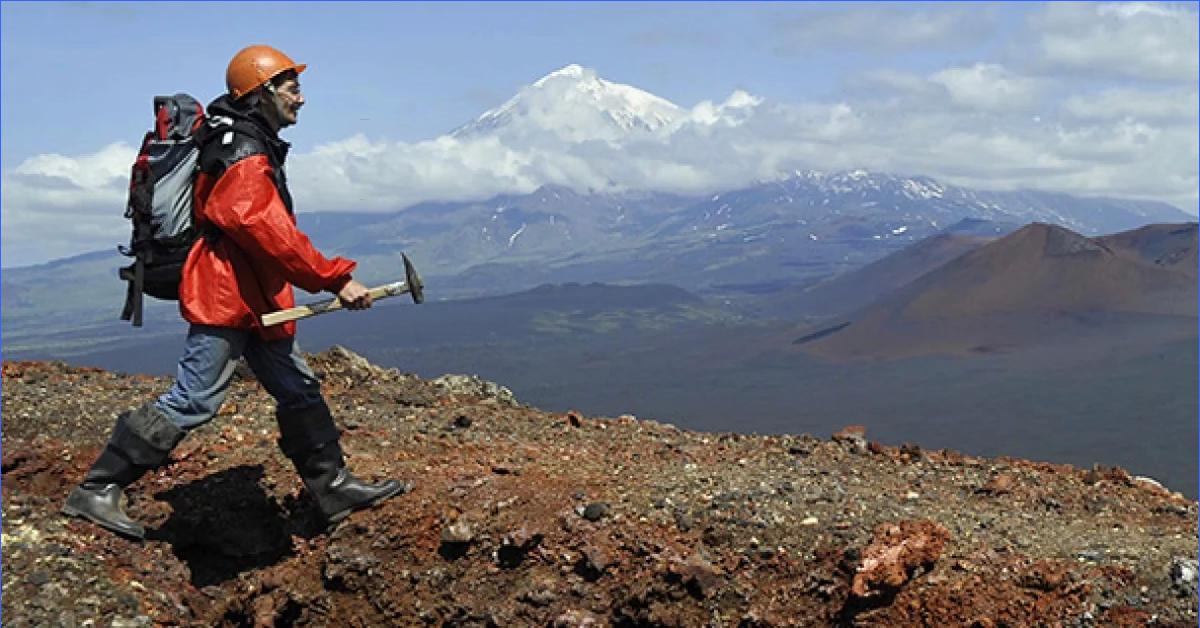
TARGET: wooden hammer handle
(328,305)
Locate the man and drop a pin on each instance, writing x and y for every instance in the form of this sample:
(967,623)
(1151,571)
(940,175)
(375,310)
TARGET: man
(243,266)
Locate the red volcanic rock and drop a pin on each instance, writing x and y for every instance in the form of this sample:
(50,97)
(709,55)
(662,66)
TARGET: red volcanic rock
(999,485)
(698,526)
(698,573)
(851,432)
(854,437)
(1044,576)
(910,452)
(575,619)
(14,459)
(897,550)
(11,370)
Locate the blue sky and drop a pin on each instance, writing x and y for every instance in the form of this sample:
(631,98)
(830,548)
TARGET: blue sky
(1022,87)
(403,71)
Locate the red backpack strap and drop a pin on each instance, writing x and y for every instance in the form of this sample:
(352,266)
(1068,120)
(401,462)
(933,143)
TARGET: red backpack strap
(199,118)
(162,120)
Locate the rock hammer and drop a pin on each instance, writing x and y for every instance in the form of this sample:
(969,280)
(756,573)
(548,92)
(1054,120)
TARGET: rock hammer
(411,285)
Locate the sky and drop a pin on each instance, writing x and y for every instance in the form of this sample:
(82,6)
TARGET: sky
(1094,99)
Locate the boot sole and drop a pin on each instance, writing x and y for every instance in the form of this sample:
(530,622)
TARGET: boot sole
(71,511)
(337,517)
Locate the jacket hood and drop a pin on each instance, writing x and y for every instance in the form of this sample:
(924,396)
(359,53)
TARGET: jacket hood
(248,119)
(239,111)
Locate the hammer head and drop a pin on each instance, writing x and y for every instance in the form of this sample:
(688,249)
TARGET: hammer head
(415,287)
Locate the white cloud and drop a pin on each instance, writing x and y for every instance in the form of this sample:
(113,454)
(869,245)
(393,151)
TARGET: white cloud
(987,86)
(1154,41)
(1115,103)
(886,28)
(734,111)
(1116,142)
(70,178)
(57,205)
(358,174)
(889,80)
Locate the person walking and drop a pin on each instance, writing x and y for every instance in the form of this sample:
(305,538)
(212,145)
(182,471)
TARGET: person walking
(244,265)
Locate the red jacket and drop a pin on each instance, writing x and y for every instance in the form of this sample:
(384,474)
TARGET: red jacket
(248,270)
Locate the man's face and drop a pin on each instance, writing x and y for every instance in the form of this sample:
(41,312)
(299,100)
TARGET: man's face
(288,101)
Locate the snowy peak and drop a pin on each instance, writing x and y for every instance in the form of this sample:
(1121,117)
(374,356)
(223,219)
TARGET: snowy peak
(865,181)
(574,104)
(573,71)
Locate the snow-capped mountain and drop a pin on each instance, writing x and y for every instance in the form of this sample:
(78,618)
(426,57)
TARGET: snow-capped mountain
(574,104)
(928,196)
(753,240)
(796,229)
(606,182)
(881,206)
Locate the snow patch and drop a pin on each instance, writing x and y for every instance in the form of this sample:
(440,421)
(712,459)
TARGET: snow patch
(513,238)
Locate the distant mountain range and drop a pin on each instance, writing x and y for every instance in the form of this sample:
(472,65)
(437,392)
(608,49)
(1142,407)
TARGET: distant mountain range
(781,234)
(753,240)
(790,230)
(802,227)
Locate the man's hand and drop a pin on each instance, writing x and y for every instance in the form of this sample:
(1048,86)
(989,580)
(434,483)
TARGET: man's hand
(354,296)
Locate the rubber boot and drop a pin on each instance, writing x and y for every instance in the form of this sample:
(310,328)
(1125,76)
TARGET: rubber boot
(309,437)
(337,492)
(98,499)
(141,440)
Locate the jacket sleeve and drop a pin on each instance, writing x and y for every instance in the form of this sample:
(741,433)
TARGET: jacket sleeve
(245,206)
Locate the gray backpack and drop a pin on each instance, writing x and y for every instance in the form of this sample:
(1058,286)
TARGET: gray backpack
(160,204)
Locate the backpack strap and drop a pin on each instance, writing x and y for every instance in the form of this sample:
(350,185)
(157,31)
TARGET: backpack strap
(224,142)
(140,197)
(135,274)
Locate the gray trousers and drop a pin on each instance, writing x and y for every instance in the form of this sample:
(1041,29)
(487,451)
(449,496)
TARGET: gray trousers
(206,368)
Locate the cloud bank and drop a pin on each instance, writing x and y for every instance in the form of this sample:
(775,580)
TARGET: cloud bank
(1135,40)
(885,28)
(1065,115)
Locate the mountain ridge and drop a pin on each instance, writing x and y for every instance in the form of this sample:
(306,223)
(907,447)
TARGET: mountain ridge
(1037,282)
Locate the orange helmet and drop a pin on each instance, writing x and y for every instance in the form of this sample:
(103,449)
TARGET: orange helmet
(255,65)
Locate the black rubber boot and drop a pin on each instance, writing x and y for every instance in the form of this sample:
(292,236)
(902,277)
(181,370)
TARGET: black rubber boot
(309,437)
(337,492)
(98,499)
(141,440)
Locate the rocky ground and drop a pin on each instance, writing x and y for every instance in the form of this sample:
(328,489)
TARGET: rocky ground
(526,518)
